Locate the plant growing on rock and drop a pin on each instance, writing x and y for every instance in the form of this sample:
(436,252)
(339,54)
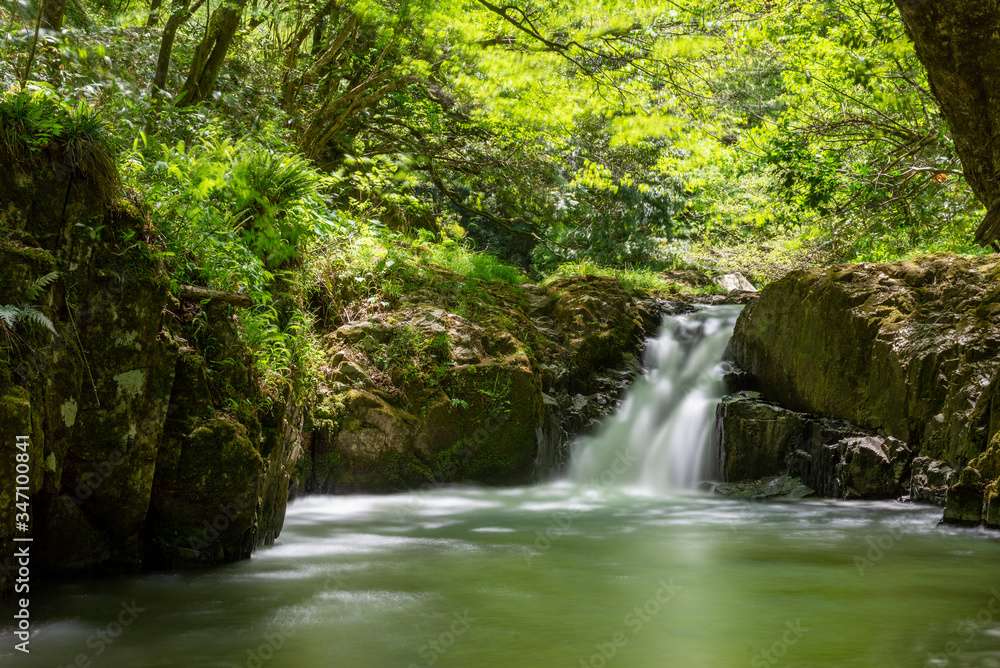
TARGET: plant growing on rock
(26,313)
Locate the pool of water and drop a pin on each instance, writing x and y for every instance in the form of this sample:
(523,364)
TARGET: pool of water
(549,576)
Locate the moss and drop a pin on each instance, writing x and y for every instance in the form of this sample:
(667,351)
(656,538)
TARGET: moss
(496,427)
(36,128)
(13,251)
(992,506)
(964,504)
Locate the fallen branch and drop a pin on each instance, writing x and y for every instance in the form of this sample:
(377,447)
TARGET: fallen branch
(195,293)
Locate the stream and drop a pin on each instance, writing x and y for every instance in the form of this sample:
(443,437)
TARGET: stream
(621,563)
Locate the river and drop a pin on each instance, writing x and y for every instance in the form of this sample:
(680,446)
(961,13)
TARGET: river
(621,570)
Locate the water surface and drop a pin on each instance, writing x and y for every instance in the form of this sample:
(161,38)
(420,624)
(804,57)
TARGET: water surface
(550,576)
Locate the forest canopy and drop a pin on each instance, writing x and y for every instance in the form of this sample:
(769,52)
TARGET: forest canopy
(747,135)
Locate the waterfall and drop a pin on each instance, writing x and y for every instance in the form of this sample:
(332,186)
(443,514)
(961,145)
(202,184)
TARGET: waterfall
(660,438)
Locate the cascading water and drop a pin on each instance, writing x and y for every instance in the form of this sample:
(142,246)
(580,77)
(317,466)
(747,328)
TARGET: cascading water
(660,438)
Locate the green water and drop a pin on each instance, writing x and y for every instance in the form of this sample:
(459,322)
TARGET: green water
(466,577)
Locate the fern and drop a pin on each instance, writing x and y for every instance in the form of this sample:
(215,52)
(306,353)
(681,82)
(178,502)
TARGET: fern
(12,314)
(35,290)
(32,315)
(9,315)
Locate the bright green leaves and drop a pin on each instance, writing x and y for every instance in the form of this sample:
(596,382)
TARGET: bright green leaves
(236,211)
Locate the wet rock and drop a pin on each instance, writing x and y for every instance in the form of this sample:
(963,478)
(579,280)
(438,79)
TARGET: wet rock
(930,479)
(992,510)
(783,487)
(758,440)
(964,504)
(972,499)
(909,349)
(873,467)
(757,437)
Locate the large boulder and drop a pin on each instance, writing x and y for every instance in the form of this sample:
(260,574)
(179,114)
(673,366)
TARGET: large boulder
(759,440)
(422,394)
(907,350)
(130,451)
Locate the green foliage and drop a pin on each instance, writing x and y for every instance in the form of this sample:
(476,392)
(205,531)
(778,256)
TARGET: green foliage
(635,279)
(41,125)
(14,315)
(410,356)
(480,266)
(352,157)
(233,212)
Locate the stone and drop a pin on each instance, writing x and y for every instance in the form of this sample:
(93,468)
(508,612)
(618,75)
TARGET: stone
(873,467)
(756,437)
(964,504)
(992,505)
(759,440)
(929,480)
(782,486)
(909,349)
(734,282)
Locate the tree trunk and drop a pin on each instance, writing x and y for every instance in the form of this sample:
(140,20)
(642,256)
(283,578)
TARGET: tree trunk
(958,41)
(211,53)
(181,12)
(196,294)
(53,12)
(318,32)
(154,13)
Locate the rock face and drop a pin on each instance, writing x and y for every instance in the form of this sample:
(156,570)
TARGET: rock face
(133,460)
(908,351)
(759,440)
(424,395)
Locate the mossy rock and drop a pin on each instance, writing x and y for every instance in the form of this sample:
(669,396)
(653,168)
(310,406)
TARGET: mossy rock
(964,504)
(872,343)
(208,499)
(598,317)
(992,505)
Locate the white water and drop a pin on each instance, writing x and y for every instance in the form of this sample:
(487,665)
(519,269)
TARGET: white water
(660,440)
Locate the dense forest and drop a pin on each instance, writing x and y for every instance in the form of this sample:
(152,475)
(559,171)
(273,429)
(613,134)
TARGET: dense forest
(448,311)
(300,147)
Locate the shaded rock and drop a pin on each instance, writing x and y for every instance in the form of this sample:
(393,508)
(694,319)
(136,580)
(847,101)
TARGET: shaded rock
(909,349)
(758,440)
(768,488)
(929,480)
(964,504)
(968,501)
(873,467)
(65,525)
(757,437)
(992,509)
